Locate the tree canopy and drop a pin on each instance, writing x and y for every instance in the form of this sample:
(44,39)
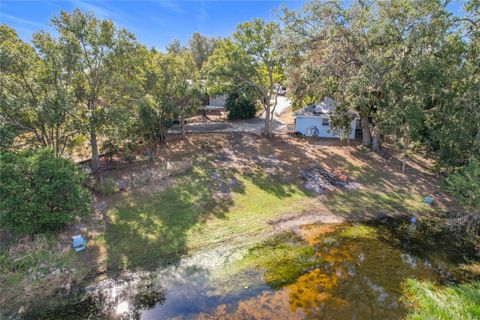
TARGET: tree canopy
(408,69)
(405,67)
(248,61)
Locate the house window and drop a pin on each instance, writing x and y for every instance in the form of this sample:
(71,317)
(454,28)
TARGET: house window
(325,122)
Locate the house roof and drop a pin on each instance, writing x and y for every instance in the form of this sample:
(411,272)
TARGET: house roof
(320,109)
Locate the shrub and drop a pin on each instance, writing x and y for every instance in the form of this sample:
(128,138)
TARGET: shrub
(464,184)
(110,148)
(40,192)
(106,186)
(239,106)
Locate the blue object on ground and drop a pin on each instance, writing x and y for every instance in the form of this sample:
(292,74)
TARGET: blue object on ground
(428,200)
(413,220)
(78,243)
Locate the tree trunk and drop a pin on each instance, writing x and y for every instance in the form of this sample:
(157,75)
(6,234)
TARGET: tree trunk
(267,129)
(272,114)
(95,162)
(366,135)
(406,145)
(270,124)
(162,133)
(182,126)
(376,139)
(268,109)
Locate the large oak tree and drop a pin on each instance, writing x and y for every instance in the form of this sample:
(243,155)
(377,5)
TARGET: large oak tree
(248,61)
(102,54)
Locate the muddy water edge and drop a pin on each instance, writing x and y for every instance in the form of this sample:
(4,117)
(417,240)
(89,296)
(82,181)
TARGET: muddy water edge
(347,271)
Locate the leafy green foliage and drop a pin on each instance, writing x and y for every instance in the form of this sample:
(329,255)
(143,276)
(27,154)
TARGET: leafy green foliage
(409,69)
(239,106)
(201,47)
(171,92)
(39,192)
(106,186)
(106,78)
(151,121)
(465,184)
(37,98)
(248,61)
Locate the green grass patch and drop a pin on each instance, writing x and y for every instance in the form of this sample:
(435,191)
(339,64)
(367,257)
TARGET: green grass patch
(371,200)
(30,263)
(441,303)
(38,254)
(146,231)
(359,231)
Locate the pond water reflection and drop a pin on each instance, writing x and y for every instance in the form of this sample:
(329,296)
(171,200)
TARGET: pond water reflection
(320,272)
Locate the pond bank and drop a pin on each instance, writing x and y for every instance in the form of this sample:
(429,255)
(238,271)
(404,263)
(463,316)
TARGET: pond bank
(210,199)
(343,270)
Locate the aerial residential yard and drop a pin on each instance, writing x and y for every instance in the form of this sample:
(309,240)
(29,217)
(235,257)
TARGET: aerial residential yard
(223,189)
(217,198)
(319,162)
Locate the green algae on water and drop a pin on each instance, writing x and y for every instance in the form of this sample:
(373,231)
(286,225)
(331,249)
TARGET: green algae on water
(359,231)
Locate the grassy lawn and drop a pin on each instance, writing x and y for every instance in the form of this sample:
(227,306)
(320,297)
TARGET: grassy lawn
(367,200)
(442,303)
(225,204)
(235,195)
(151,230)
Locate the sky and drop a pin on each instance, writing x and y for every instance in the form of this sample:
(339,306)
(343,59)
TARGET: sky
(155,23)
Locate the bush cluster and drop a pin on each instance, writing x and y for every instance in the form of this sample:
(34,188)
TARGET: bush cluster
(239,106)
(40,192)
(464,185)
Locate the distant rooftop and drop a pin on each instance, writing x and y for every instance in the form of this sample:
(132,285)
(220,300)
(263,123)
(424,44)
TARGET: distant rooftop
(323,108)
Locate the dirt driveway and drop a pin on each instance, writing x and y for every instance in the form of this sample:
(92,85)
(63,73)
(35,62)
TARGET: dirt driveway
(255,125)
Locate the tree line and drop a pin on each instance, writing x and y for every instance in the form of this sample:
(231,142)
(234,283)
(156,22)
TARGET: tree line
(410,69)
(94,80)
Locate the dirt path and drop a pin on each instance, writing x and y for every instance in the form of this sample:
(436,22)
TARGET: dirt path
(255,125)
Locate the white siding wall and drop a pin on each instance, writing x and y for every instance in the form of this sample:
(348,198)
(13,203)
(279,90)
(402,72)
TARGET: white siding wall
(303,123)
(218,101)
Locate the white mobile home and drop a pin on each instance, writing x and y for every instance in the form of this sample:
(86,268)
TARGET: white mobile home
(314,120)
(218,100)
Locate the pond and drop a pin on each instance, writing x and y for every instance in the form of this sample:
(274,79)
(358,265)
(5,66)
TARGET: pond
(314,272)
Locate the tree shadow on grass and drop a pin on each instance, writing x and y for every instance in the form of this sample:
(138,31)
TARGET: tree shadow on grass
(273,184)
(148,231)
